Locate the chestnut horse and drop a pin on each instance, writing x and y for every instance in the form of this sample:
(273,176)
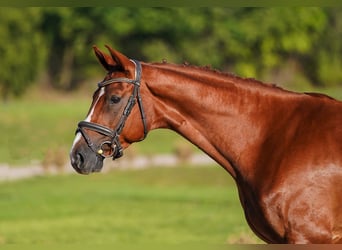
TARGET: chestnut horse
(283,149)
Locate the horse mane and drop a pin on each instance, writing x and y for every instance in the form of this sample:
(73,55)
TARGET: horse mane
(319,95)
(215,72)
(232,77)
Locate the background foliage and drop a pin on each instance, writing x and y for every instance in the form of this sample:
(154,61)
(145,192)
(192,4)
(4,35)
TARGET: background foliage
(290,46)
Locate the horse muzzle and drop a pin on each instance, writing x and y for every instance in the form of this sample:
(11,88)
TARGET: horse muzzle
(87,153)
(85,161)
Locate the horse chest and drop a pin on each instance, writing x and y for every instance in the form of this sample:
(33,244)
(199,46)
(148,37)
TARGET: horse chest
(256,216)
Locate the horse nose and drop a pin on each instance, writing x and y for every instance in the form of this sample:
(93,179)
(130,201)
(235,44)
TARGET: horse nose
(77,161)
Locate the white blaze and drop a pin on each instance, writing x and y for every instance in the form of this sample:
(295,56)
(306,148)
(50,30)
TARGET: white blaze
(88,118)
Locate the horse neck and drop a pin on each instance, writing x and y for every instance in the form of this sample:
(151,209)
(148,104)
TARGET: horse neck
(223,115)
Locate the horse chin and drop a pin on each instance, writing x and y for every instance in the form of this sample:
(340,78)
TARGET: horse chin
(90,167)
(95,167)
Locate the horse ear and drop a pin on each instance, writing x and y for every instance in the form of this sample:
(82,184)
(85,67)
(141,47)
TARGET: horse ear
(106,60)
(121,60)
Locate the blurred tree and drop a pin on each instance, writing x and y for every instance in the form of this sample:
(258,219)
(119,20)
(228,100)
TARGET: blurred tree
(21,49)
(252,42)
(69,33)
(328,51)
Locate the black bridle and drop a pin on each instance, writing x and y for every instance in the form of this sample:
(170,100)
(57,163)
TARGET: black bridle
(112,147)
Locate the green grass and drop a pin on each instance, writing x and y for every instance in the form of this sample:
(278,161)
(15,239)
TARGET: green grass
(29,128)
(158,205)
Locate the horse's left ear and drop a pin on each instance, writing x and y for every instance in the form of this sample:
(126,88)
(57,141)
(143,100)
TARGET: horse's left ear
(122,61)
(106,60)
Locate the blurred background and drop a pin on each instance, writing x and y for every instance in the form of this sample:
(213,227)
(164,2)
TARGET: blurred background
(171,193)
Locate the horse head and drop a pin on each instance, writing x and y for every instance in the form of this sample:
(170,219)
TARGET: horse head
(113,121)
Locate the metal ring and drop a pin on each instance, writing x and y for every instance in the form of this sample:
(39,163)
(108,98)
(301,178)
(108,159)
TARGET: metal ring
(102,151)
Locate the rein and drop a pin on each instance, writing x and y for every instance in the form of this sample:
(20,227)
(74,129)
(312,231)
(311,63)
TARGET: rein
(112,147)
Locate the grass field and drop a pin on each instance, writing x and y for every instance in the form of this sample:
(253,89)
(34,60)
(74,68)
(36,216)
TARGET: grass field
(158,205)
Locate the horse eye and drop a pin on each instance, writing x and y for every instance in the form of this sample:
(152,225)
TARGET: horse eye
(115,99)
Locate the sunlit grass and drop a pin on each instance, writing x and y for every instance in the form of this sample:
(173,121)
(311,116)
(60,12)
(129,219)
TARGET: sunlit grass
(28,129)
(159,205)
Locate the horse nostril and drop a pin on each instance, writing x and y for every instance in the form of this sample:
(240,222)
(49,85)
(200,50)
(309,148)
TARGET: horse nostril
(80,158)
(77,160)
